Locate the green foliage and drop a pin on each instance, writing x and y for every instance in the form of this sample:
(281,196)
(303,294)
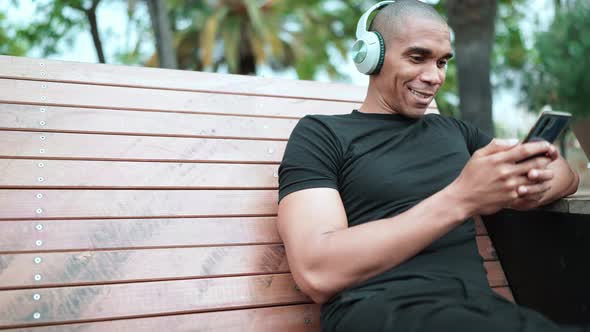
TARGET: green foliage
(9,44)
(56,21)
(559,76)
(510,52)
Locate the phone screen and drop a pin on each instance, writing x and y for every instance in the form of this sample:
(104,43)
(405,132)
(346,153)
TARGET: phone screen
(548,127)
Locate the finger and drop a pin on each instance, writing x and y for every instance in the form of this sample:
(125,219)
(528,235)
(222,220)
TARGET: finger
(524,151)
(538,163)
(515,182)
(553,153)
(497,145)
(540,175)
(533,189)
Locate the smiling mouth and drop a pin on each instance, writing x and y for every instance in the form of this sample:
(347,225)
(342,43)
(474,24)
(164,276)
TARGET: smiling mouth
(420,94)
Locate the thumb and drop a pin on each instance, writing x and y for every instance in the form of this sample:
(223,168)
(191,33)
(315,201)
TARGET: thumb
(498,145)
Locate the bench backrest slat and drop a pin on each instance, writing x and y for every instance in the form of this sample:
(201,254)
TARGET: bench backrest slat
(292,318)
(125,76)
(174,124)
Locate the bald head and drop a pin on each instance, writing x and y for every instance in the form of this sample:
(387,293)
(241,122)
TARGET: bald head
(389,21)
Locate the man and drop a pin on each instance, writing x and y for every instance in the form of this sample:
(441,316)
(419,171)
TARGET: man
(376,206)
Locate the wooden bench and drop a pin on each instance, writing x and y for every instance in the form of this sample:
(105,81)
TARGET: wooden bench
(145,199)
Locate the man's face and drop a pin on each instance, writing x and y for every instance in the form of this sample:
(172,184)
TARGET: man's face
(415,66)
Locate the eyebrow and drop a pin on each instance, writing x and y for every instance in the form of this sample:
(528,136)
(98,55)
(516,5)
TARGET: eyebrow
(424,52)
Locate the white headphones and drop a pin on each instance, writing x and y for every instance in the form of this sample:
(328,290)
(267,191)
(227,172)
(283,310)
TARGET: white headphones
(368,52)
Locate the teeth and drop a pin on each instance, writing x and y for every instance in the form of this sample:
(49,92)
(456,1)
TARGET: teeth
(419,94)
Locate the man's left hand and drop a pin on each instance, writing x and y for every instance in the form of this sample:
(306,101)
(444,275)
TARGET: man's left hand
(532,194)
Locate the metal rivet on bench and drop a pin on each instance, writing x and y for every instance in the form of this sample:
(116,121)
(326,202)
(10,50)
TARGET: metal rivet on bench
(37,277)
(43,86)
(39,211)
(41,150)
(307,321)
(38,260)
(275,175)
(36,297)
(38,243)
(43,73)
(39,227)
(36,315)
(43,109)
(40,179)
(41,165)
(43,98)
(41,64)
(271,150)
(42,123)
(42,137)
(39,196)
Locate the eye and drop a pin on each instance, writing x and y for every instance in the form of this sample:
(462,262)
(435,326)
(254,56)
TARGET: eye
(442,63)
(416,58)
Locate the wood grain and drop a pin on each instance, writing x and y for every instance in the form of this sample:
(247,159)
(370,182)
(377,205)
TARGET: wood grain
(25,173)
(71,304)
(480,228)
(24,204)
(101,234)
(495,274)
(485,247)
(112,121)
(292,318)
(41,145)
(117,266)
(93,96)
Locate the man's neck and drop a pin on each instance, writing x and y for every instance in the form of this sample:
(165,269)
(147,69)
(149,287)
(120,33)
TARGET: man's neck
(375,103)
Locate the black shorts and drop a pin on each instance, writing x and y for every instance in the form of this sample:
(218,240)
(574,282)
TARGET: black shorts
(439,306)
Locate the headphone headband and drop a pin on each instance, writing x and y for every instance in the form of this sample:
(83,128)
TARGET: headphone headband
(362,28)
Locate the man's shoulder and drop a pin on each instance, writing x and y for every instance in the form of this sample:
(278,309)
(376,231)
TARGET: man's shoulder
(325,122)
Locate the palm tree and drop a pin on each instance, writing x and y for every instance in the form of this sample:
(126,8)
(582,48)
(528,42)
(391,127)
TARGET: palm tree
(244,34)
(247,31)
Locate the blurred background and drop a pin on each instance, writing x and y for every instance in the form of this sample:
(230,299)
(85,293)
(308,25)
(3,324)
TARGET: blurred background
(513,58)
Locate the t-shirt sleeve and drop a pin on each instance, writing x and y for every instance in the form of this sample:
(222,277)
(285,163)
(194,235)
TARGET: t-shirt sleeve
(474,137)
(311,158)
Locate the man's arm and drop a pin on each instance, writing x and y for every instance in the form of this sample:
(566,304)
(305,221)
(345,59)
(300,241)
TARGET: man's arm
(326,256)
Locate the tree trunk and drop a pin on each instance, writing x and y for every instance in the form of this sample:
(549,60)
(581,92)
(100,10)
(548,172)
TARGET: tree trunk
(473,24)
(163,34)
(91,16)
(247,61)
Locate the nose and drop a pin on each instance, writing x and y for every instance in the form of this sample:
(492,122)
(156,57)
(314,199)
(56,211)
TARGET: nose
(432,74)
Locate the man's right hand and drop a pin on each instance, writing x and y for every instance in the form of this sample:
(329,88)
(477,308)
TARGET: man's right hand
(490,180)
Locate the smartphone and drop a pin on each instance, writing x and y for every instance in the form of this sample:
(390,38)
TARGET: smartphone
(548,127)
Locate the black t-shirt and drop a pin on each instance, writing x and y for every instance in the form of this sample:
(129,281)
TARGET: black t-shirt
(382,165)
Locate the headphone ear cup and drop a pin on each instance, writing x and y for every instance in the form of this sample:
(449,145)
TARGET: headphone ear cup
(381,53)
(367,53)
